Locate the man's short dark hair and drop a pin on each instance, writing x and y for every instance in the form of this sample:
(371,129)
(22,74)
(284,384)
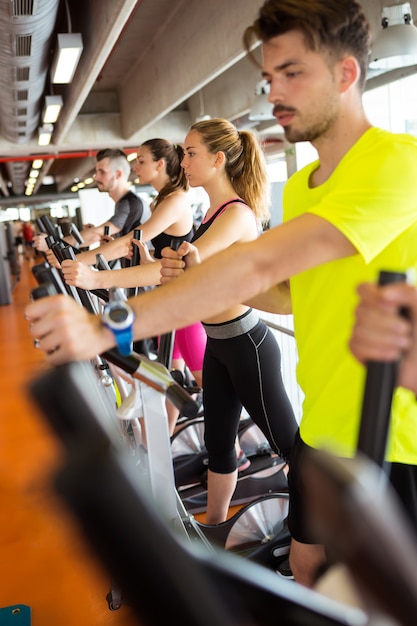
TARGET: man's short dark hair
(117,159)
(110,153)
(337,26)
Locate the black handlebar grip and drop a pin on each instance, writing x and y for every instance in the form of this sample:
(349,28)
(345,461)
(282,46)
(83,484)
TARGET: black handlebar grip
(86,300)
(137,234)
(380,383)
(68,253)
(40,225)
(103,294)
(173,391)
(84,296)
(181,399)
(38,269)
(166,342)
(175,243)
(135,260)
(76,234)
(50,240)
(57,249)
(47,225)
(43,290)
(127,363)
(101,263)
(166,348)
(50,275)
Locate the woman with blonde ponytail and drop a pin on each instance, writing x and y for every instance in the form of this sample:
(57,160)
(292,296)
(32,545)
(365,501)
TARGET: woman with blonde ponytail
(242,362)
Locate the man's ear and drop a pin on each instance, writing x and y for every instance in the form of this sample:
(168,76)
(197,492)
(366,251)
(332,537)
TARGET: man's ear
(349,72)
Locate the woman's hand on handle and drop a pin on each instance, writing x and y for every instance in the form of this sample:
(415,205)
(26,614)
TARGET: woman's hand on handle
(40,242)
(51,258)
(145,255)
(79,274)
(105,239)
(175,262)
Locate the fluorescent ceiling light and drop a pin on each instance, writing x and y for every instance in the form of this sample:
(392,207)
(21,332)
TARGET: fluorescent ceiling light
(45,134)
(37,164)
(396,45)
(67,55)
(52,109)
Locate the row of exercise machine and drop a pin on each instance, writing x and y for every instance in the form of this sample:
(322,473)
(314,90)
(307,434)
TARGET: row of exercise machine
(258,529)
(122,477)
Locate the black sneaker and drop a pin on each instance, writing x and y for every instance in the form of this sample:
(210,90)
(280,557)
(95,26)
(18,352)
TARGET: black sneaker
(284,569)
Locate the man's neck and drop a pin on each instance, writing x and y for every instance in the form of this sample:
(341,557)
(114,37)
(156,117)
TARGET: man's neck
(118,193)
(332,149)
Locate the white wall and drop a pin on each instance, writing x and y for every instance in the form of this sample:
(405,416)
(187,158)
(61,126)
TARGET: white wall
(96,207)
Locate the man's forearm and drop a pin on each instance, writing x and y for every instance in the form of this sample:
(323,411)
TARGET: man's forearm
(204,290)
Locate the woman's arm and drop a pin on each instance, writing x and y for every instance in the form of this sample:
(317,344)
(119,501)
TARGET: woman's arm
(81,275)
(172,213)
(112,250)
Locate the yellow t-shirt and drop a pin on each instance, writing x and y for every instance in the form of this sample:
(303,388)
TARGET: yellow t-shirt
(371,197)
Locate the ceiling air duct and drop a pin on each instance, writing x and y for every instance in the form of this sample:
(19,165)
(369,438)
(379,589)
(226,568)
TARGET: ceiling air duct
(26,28)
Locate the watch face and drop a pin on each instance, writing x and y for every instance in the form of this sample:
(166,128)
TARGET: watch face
(119,314)
(119,317)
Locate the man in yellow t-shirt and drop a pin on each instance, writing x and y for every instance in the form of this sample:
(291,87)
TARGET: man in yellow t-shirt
(369,199)
(347,216)
(357,199)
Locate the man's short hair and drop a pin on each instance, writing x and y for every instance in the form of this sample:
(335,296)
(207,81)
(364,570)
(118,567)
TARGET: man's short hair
(117,158)
(110,153)
(339,27)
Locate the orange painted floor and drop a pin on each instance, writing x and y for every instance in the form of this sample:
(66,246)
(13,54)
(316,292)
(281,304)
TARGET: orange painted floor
(44,562)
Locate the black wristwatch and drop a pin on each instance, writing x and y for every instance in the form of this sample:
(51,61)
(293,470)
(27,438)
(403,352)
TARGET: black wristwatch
(119,316)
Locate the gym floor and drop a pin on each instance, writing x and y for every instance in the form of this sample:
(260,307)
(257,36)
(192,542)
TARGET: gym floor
(44,562)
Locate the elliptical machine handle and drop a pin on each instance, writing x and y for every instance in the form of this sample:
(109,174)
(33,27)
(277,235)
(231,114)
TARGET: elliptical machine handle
(380,382)
(137,234)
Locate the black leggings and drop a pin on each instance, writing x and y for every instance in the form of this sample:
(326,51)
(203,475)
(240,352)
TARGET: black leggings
(244,370)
